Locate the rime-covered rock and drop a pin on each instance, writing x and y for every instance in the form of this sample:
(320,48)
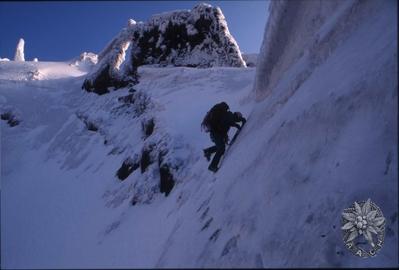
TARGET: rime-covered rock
(108,71)
(85,61)
(87,57)
(192,38)
(19,51)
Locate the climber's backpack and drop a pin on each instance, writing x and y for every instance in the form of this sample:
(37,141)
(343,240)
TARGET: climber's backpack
(213,116)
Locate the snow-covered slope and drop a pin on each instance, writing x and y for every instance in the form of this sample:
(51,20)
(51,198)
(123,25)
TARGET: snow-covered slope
(322,135)
(31,71)
(69,145)
(192,38)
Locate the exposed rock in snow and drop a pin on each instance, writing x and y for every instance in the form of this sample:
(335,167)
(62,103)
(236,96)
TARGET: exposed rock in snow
(196,38)
(35,75)
(128,166)
(250,59)
(19,51)
(107,72)
(10,116)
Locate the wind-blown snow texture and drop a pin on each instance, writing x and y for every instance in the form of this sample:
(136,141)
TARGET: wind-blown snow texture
(324,137)
(191,38)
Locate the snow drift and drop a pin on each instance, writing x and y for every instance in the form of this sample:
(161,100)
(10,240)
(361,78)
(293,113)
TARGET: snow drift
(191,38)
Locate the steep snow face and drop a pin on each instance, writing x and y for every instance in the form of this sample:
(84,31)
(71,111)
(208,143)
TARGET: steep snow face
(312,33)
(196,38)
(19,51)
(323,135)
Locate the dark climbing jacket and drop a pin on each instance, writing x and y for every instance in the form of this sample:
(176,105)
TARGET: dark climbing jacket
(219,120)
(228,119)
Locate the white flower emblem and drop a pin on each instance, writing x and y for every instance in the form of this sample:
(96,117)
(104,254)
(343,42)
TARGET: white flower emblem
(363,221)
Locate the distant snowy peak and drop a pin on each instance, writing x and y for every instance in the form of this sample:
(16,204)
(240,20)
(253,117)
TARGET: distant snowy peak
(192,38)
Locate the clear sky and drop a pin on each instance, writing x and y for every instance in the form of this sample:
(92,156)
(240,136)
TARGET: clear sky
(62,30)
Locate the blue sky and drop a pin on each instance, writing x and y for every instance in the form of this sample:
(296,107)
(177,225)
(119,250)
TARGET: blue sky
(62,30)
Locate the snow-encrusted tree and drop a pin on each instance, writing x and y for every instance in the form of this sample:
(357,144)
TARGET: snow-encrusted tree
(19,51)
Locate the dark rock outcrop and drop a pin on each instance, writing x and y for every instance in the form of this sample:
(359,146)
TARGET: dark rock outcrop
(166,180)
(90,125)
(11,119)
(146,159)
(192,38)
(148,127)
(128,166)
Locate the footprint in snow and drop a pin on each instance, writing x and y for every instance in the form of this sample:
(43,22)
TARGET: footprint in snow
(231,244)
(215,235)
(207,224)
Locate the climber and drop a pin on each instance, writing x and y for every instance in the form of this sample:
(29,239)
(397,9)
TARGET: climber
(217,122)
